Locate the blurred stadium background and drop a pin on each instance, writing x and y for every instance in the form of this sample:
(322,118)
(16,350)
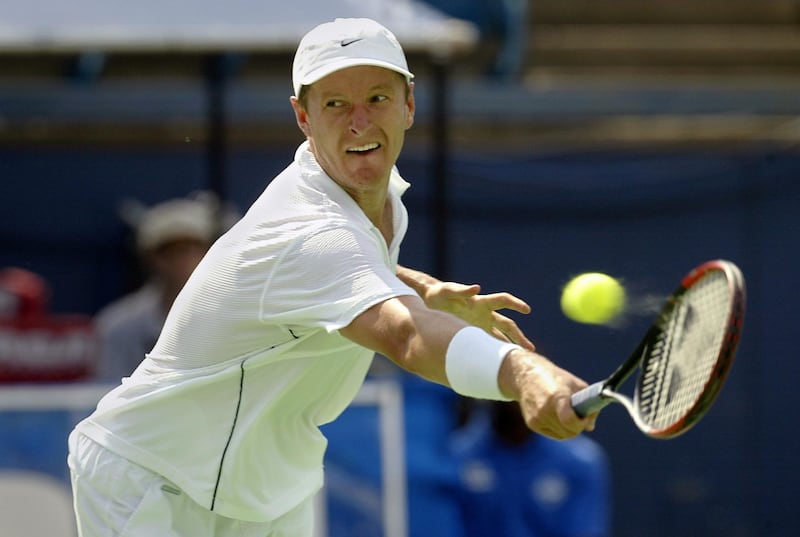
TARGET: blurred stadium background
(634,137)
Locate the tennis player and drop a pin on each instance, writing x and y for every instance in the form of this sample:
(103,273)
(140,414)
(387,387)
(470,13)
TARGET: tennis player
(216,432)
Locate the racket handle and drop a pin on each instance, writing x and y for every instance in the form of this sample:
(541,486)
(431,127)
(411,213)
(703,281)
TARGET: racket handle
(590,399)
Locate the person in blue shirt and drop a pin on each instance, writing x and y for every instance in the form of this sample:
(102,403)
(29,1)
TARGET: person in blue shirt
(515,483)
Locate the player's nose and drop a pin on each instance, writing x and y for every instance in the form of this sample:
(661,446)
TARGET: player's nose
(360,119)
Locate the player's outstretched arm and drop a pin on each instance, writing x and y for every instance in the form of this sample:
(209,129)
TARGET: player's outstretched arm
(442,348)
(466,303)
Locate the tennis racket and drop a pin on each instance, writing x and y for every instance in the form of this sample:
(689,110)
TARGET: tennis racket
(683,359)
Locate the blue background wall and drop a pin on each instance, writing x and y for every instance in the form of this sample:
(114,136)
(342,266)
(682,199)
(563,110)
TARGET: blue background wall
(523,224)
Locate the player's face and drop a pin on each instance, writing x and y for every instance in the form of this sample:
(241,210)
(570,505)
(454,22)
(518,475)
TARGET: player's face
(355,120)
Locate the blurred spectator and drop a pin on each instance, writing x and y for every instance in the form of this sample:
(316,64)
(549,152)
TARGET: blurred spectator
(171,239)
(503,26)
(24,295)
(36,345)
(515,483)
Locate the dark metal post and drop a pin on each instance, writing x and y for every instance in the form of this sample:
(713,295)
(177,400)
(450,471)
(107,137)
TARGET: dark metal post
(216,147)
(439,200)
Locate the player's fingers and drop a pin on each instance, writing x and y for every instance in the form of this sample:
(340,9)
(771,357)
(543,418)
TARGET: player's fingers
(591,421)
(500,301)
(558,432)
(571,423)
(590,424)
(507,329)
(461,290)
(562,425)
(550,433)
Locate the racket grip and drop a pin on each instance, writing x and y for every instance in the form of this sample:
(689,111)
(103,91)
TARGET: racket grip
(590,399)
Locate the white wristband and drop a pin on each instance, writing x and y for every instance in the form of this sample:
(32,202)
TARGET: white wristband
(473,362)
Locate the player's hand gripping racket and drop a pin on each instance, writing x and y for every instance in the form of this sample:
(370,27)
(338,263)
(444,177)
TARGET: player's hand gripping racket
(683,359)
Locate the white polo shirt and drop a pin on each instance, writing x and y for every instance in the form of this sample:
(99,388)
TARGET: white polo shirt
(250,362)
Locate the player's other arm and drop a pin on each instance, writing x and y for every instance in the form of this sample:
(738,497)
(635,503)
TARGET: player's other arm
(465,302)
(430,343)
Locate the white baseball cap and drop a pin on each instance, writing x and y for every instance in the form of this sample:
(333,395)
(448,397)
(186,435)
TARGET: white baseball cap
(346,43)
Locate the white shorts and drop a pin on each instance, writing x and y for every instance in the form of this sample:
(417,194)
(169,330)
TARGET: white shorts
(116,498)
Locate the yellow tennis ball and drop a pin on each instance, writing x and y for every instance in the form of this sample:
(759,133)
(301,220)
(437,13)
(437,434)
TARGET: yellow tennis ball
(593,298)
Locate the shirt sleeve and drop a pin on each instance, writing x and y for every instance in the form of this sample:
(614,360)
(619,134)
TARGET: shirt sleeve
(327,278)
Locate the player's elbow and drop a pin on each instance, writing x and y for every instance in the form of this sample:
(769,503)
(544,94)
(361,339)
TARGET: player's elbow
(400,347)
(414,352)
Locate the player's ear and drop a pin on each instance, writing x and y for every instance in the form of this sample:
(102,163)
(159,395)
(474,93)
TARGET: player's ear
(301,116)
(411,106)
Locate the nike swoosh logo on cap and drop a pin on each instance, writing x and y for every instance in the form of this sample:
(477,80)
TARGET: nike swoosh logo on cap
(347,42)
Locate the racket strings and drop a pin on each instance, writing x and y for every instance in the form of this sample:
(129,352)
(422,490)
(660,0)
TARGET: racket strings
(681,359)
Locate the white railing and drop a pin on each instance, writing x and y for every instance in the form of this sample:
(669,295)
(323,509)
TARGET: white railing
(385,396)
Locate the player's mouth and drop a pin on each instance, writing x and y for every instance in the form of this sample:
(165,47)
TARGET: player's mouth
(366,148)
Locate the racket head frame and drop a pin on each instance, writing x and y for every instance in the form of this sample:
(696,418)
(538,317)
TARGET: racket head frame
(600,394)
(727,349)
